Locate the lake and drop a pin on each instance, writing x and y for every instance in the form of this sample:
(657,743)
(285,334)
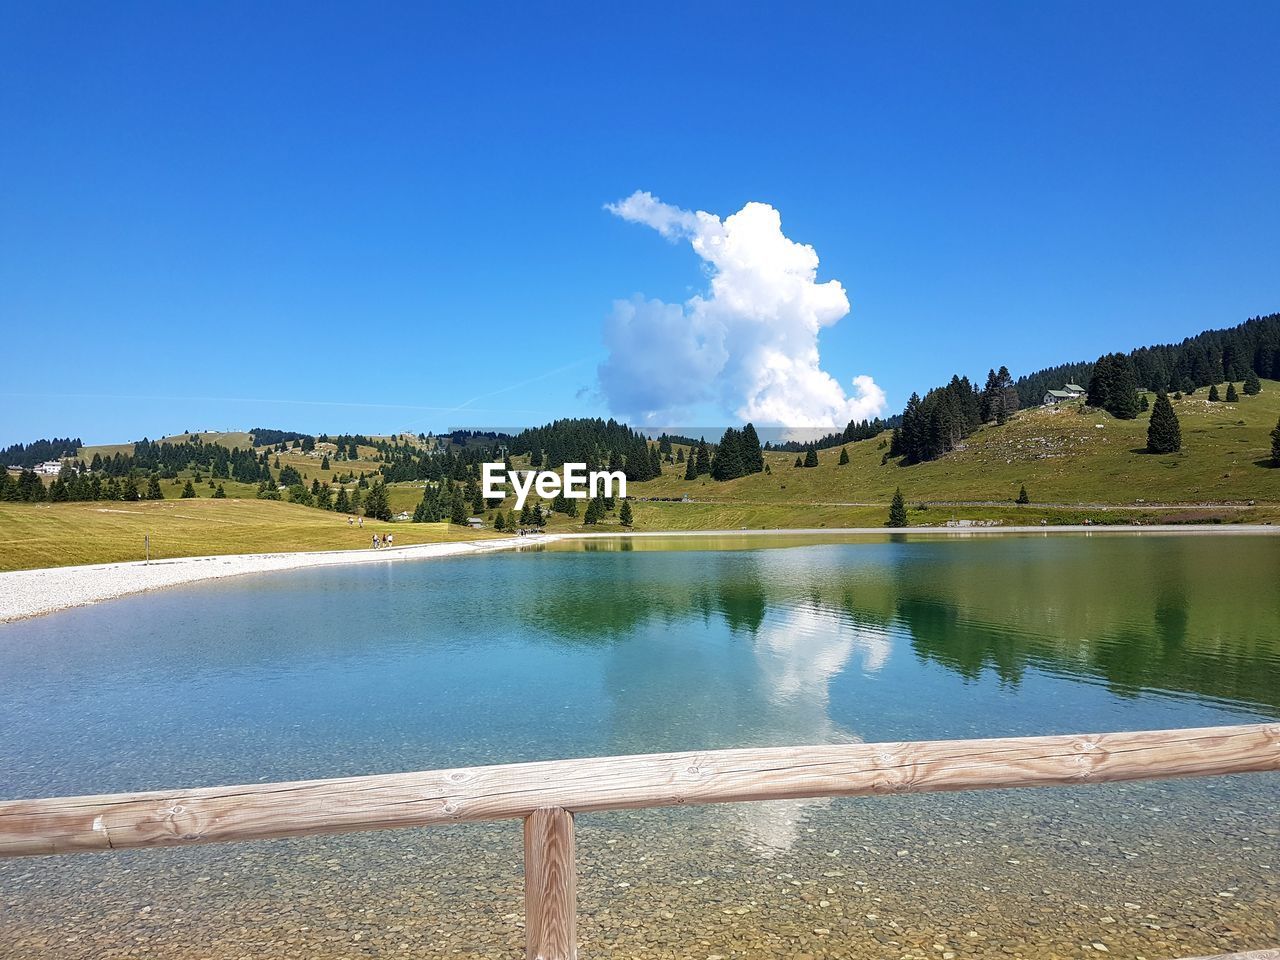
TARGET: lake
(586,648)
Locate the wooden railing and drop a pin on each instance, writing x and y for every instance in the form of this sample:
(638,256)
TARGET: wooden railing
(546,796)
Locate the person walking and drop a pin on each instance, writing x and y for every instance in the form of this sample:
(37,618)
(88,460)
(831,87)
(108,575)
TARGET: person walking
(375,541)
(390,539)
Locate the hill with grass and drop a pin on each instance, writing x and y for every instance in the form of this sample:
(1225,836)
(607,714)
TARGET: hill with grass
(210,493)
(1076,463)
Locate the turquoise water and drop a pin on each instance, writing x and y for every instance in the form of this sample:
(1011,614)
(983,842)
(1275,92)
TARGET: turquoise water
(594,649)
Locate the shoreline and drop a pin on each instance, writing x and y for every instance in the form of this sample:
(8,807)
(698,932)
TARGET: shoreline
(44,590)
(1247,528)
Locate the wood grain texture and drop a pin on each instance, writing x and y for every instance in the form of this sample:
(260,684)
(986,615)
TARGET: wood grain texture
(260,811)
(550,886)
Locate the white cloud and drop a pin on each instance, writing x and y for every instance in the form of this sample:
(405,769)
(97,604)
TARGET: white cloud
(643,207)
(749,342)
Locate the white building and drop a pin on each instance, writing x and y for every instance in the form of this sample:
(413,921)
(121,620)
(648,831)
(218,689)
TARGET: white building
(1072,391)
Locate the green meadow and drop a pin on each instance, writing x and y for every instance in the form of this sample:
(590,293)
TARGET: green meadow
(1077,464)
(65,534)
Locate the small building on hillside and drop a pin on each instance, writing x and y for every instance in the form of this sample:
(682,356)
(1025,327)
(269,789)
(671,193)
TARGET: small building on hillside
(475,523)
(404,515)
(1072,391)
(50,468)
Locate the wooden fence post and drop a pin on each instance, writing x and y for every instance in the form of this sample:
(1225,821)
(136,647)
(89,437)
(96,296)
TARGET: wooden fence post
(550,886)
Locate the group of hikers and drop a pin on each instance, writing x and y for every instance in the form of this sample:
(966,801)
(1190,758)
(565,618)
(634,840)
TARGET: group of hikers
(389,540)
(385,540)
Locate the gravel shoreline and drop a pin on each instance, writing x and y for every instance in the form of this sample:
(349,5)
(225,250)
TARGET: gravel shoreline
(31,593)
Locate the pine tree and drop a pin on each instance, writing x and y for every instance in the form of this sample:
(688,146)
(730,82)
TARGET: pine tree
(324,464)
(219,494)
(1275,445)
(811,457)
(844,456)
(1252,385)
(1164,435)
(500,521)
(704,458)
(799,462)
(999,397)
(895,445)
(728,462)
(1007,402)
(624,515)
(153,488)
(1114,386)
(595,510)
(1232,396)
(188,492)
(691,470)
(458,508)
(1143,403)
(1213,394)
(376,504)
(680,456)
(752,454)
(897,510)
(1022,495)
(343,503)
(990,396)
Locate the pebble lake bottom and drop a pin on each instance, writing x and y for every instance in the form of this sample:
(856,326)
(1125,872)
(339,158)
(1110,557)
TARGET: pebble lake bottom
(589,649)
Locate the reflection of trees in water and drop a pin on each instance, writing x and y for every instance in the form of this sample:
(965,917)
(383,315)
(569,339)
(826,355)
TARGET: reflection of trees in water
(1171,614)
(612,597)
(938,633)
(1183,623)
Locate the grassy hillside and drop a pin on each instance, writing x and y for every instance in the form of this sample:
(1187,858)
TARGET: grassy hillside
(1077,464)
(1071,460)
(308,464)
(61,534)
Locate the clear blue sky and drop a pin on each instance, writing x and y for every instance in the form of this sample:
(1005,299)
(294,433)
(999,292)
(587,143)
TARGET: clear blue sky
(319,217)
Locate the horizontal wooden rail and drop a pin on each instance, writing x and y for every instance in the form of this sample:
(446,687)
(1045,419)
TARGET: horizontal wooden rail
(515,791)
